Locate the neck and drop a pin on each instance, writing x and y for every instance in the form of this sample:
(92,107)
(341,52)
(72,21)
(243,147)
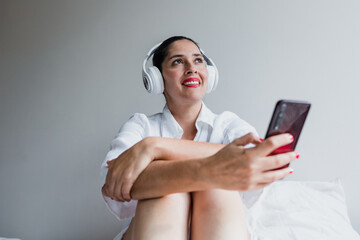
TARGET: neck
(186,116)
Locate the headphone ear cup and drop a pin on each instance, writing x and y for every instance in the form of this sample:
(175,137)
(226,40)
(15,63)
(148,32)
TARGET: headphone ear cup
(155,81)
(212,79)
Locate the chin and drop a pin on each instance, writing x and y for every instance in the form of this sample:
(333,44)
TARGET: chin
(195,98)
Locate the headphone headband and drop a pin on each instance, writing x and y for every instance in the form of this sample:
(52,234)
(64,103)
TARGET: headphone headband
(151,52)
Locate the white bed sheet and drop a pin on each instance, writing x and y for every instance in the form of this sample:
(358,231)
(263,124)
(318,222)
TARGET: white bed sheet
(293,210)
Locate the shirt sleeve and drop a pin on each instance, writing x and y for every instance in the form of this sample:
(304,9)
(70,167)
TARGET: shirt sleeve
(236,127)
(129,134)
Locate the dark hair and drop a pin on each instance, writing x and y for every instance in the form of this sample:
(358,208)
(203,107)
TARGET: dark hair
(163,50)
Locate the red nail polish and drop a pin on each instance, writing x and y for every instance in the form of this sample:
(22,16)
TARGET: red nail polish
(291,137)
(291,171)
(297,155)
(261,139)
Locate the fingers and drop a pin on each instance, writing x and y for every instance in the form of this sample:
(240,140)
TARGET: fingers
(118,193)
(278,161)
(272,143)
(118,188)
(246,139)
(115,192)
(125,191)
(104,191)
(122,190)
(112,187)
(272,176)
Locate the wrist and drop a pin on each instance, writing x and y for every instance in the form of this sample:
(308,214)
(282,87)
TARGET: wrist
(204,173)
(152,147)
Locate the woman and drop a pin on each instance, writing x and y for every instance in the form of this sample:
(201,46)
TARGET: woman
(186,164)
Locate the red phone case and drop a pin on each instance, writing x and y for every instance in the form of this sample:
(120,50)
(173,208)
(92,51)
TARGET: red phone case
(288,117)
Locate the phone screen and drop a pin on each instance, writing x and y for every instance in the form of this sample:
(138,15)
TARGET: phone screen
(288,117)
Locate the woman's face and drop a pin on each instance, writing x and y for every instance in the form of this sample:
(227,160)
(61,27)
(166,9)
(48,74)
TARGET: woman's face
(185,73)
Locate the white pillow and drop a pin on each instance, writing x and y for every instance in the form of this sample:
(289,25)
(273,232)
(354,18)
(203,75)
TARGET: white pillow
(301,210)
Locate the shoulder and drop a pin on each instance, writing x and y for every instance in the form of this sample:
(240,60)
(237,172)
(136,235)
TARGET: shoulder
(138,118)
(141,119)
(140,122)
(233,126)
(132,131)
(231,120)
(135,121)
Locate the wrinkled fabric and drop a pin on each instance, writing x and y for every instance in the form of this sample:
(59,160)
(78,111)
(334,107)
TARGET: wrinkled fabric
(293,210)
(222,129)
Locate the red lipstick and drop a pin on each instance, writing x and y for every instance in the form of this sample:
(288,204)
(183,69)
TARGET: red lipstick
(191,82)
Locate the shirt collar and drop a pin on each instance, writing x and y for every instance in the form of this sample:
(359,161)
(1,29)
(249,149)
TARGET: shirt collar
(206,116)
(171,128)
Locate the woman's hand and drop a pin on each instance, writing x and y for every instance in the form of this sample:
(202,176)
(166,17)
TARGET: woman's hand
(238,168)
(124,170)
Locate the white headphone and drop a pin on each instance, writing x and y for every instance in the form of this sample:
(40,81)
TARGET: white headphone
(154,82)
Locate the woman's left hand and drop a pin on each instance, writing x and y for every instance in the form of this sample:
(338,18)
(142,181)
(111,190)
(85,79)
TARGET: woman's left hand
(125,169)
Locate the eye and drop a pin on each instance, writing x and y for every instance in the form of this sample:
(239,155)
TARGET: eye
(199,60)
(177,61)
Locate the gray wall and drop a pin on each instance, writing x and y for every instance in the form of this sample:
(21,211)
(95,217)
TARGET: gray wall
(70,76)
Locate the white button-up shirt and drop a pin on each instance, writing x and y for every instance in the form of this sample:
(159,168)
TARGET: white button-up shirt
(222,129)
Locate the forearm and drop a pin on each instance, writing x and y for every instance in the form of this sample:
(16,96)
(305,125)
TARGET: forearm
(178,149)
(161,178)
(126,168)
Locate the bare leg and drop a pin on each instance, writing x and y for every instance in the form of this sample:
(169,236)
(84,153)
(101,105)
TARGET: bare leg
(161,218)
(218,214)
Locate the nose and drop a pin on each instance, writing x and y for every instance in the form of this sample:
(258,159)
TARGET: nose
(191,68)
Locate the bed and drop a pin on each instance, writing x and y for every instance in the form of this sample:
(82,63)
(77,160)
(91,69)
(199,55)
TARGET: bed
(293,210)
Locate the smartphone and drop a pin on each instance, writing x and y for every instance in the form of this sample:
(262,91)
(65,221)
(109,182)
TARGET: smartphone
(288,117)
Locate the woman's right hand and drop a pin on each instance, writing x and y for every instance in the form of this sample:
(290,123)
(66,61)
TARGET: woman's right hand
(125,169)
(238,168)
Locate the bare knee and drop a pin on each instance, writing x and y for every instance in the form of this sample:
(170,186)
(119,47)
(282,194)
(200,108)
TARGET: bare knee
(166,206)
(218,214)
(216,199)
(161,218)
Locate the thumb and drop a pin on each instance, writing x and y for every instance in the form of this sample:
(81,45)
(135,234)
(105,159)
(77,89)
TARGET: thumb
(246,139)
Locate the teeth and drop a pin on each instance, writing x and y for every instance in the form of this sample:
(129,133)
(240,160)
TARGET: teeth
(191,83)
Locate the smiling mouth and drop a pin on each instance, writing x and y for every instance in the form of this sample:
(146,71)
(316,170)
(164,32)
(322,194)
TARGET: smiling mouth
(191,82)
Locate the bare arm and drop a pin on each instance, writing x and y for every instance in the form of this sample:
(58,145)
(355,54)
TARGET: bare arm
(165,177)
(124,170)
(178,149)
(232,168)
(161,178)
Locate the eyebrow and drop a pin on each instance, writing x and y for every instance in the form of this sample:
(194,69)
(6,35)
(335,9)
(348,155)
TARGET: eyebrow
(180,55)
